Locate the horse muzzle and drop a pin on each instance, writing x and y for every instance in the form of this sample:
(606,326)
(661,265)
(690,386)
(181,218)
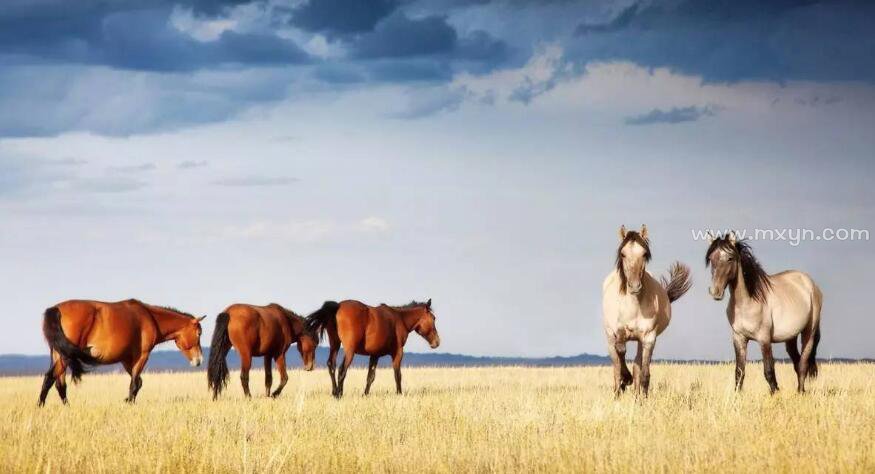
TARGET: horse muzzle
(716,294)
(196,361)
(435,342)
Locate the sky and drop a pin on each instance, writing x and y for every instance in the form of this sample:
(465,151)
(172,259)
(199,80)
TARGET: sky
(481,153)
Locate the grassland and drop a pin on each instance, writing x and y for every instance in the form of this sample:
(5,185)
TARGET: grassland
(450,420)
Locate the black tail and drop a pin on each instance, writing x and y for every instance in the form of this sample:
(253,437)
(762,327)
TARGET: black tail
(217,368)
(812,362)
(678,281)
(318,321)
(74,357)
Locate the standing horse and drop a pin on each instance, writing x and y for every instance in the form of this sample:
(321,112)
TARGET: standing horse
(83,333)
(637,307)
(257,331)
(766,308)
(373,331)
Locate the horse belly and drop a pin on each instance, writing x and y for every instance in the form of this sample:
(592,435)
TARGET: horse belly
(113,340)
(786,327)
(791,312)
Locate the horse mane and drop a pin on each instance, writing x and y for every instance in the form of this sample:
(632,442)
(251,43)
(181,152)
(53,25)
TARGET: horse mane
(171,308)
(631,236)
(295,317)
(287,311)
(756,280)
(412,305)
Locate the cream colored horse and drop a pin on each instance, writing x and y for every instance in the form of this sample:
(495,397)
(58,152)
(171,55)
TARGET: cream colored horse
(637,307)
(766,308)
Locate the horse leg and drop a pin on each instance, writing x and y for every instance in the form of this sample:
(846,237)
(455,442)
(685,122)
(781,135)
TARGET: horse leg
(793,352)
(740,344)
(636,367)
(268,375)
(769,366)
(618,364)
(245,365)
(805,357)
(48,379)
(284,375)
(647,354)
(341,377)
(136,368)
(60,374)
(372,373)
(334,345)
(396,365)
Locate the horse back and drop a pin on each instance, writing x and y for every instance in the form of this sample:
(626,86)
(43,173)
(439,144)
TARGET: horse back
(109,329)
(263,330)
(369,329)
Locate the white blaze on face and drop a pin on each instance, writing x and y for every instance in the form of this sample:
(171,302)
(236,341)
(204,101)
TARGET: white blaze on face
(633,264)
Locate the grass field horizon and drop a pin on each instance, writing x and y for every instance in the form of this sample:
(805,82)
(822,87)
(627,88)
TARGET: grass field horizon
(498,419)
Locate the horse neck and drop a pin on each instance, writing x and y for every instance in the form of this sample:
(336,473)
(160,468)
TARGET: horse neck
(739,291)
(409,317)
(297,325)
(169,322)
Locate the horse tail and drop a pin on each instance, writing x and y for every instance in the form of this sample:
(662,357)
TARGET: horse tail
(318,321)
(678,281)
(812,361)
(74,357)
(217,368)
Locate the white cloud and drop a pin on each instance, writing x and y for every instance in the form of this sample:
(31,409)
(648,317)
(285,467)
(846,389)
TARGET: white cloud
(373,224)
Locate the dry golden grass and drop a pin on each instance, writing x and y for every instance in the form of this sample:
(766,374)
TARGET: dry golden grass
(450,420)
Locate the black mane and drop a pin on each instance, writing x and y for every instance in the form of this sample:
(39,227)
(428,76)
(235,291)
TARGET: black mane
(171,308)
(631,236)
(756,280)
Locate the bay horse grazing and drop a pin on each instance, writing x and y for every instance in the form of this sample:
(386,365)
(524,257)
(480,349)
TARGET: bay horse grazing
(637,307)
(374,331)
(766,308)
(257,331)
(81,333)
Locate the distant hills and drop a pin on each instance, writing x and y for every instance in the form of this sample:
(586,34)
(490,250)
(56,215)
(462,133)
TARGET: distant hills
(174,361)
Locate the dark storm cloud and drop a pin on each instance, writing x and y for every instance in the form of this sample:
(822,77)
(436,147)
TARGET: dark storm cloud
(132,35)
(400,36)
(672,116)
(738,40)
(61,57)
(336,17)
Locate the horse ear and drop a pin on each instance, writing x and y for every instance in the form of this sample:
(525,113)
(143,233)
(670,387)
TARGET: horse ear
(428,303)
(622,233)
(202,318)
(710,236)
(732,237)
(643,231)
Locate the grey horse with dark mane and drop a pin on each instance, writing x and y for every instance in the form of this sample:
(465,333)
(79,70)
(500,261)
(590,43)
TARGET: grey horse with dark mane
(766,308)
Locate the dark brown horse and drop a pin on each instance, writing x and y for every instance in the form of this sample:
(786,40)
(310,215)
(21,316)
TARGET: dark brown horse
(373,331)
(258,331)
(83,333)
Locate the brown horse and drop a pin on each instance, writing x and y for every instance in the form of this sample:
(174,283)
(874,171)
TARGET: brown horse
(373,331)
(257,331)
(83,333)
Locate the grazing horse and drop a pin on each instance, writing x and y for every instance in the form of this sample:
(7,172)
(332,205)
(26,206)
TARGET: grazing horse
(637,307)
(765,308)
(257,331)
(371,330)
(83,333)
